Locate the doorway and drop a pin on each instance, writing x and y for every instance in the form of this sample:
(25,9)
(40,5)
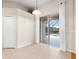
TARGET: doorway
(50,31)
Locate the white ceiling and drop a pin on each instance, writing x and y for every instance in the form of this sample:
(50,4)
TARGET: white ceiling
(30,3)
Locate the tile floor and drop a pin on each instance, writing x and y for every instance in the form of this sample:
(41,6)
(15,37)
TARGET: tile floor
(36,51)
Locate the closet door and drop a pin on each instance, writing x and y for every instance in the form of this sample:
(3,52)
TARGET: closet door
(9,32)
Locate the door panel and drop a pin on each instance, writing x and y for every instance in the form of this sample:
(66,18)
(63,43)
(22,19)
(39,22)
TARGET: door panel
(9,32)
(54,33)
(44,31)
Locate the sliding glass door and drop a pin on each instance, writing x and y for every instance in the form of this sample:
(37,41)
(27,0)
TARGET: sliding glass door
(50,31)
(54,33)
(44,31)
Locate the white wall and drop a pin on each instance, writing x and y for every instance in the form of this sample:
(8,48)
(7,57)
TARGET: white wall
(25,29)
(8,12)
(10,4)
(50,8)
(70,25)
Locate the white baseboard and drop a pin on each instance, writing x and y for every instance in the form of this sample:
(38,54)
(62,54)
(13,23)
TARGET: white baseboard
(71,51)
(25,45)
(9,47)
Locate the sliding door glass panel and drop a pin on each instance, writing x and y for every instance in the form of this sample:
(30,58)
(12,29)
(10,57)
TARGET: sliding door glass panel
(44,31)
(54,33)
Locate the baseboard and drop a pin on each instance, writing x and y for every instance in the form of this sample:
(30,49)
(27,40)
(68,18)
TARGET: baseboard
(25,45)
(67,50)
(9,47)
(71,51)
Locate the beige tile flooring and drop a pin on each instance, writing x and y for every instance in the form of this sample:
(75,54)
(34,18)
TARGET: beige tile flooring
(36,51)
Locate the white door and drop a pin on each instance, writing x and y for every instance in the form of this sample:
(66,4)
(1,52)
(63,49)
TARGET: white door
(9,32)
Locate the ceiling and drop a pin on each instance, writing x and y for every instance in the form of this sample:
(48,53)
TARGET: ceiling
(30,3)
